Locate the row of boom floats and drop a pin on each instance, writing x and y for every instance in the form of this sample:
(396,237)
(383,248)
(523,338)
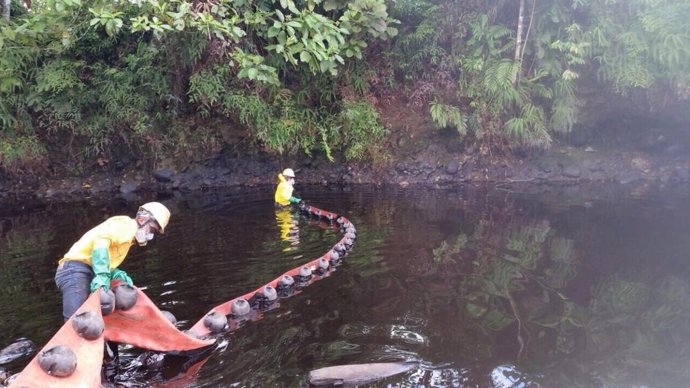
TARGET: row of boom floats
(73,357)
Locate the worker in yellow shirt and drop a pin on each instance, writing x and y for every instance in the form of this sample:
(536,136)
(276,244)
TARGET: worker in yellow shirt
(288,224)
(284,191)
(93,261)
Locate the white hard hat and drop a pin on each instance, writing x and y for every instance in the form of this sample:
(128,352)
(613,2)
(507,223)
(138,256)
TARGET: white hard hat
(289,173)
(160,213)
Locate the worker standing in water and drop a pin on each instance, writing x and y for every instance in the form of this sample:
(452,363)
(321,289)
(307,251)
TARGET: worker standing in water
(288,224)
(286,182)
(93,261)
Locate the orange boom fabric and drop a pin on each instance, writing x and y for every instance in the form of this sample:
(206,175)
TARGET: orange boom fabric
(144,325)
(89,356)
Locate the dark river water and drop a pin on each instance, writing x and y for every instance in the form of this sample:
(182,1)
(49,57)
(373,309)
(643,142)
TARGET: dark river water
(524,287)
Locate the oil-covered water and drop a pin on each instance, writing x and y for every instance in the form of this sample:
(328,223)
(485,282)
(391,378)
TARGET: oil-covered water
(484,287)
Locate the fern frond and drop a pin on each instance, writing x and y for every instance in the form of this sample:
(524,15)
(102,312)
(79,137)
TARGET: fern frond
(563,114)
(448,115)
(498,83)
(529,128)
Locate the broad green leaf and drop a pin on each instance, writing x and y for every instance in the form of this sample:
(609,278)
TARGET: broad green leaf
(295,48)
(304,56)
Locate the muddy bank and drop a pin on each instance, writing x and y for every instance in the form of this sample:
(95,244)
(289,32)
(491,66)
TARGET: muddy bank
(429,158)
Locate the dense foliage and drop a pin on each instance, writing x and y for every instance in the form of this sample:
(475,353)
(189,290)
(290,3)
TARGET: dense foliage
(513,68)
(157,78)
(171,78)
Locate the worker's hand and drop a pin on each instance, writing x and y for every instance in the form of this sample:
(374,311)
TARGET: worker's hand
(121,275)
(100,281)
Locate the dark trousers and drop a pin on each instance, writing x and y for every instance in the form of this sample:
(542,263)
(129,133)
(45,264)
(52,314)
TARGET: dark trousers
(73,279)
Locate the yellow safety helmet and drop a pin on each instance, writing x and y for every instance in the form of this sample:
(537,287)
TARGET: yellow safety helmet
(160,213)
(288,173)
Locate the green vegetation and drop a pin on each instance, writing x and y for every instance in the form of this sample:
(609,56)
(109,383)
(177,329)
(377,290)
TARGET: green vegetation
(512,68)
(88,78)
(92,80)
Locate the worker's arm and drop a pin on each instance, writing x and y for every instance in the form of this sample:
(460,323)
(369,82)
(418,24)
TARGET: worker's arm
(100,264)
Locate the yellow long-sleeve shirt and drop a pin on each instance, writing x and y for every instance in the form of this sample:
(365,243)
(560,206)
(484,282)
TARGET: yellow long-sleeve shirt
(283,191)
(116,233)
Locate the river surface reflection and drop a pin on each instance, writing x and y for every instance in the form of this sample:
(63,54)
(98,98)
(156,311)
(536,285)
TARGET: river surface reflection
(500,287)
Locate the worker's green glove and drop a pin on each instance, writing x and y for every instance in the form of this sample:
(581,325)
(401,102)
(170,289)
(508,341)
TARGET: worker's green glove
(100,281)
(121,275)
(100,264)
(295,200)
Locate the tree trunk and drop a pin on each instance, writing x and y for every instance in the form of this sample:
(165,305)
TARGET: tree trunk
(6,9)
(518,40)
(529,28)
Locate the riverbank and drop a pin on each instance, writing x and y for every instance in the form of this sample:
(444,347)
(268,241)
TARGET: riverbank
(436,160)
(623,151)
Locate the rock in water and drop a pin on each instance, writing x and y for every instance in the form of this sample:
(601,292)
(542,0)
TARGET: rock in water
(358,374)
(19,348)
